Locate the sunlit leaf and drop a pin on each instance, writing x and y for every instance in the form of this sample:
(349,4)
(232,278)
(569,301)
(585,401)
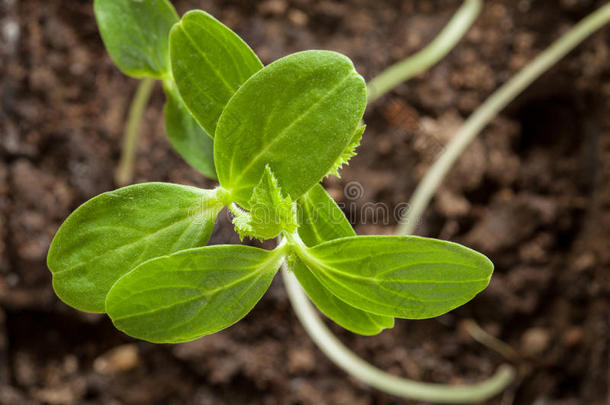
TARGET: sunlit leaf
(209,63)
(322,220)
(192,293)
(296,115)
(110,234)
(401,276)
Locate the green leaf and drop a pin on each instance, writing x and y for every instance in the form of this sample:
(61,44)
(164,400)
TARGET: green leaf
(136,34)
(270,212)
(209,63)
(345,315)
(191,293)
(187,137)
(348,153)
(297,115)
(401,276)
(114,232)
(322,220)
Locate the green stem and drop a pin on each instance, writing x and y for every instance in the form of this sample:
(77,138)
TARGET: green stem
(124,172)
(492,106)
(430,55)
(360,369)
(321,335)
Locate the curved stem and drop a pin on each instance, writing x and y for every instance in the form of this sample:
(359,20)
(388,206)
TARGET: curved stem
(360,369)
(124,171)
(444,42)
(485,338)
(314,326)
(488,110)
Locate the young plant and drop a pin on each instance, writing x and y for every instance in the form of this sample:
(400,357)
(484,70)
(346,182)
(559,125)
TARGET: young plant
(135,253)
(138,253)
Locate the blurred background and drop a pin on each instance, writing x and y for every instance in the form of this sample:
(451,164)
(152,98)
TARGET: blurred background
(532,193)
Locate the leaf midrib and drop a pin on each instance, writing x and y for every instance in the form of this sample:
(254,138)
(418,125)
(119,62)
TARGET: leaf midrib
(160,70)
(282,133)
(122,247)
(205,57)
(210,293)
(198,312)
(376,279)
(336,301)
(307,256)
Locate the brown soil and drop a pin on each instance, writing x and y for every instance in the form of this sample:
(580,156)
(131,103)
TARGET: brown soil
(533,193)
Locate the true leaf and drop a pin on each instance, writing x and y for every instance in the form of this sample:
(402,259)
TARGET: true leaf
(209,63)
(187,137)
(136,34)
(322,220)
(401,276)
(192,293)
(114,232)
(270,212)
(349,152)
(297,115)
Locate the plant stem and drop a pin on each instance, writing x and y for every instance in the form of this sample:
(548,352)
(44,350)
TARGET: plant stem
(321,335)
(124,171)
(482,336)
(360,369)
(491,107)
(430,55)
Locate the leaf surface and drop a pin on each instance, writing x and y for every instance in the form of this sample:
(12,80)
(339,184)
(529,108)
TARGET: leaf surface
(191,293)
(322,220)
(209,63)
(110,234)
(136,34)
(296,115)
(187,137)
(401,276)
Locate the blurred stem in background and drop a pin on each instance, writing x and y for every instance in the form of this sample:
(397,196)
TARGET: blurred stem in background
(324,338)
(491,107)
(124,171)
(444,42)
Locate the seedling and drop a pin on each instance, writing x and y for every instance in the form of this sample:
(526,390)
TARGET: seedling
(138,254)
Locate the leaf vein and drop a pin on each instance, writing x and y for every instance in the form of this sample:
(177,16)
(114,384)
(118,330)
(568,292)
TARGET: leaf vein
(283,132)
